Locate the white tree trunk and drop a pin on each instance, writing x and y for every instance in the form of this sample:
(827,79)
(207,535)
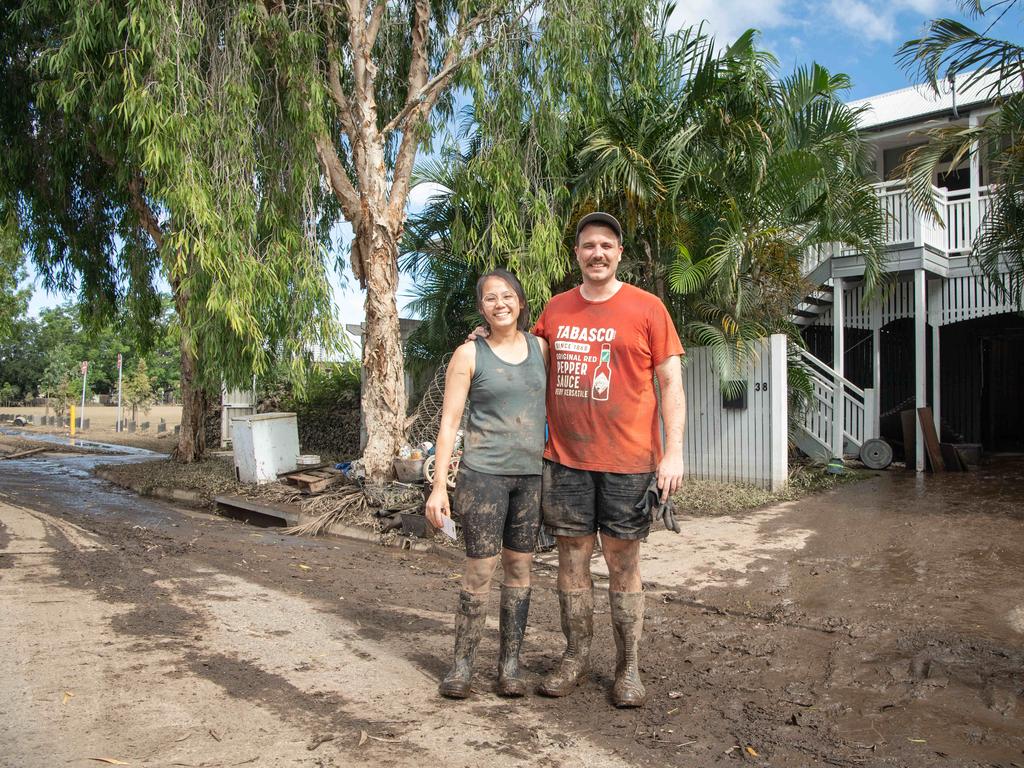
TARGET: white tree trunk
(383,402)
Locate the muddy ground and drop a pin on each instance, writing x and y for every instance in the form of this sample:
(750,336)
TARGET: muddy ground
(879,625)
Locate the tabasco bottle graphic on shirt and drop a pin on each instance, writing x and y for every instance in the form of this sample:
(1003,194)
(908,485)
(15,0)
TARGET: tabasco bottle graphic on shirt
(602,375)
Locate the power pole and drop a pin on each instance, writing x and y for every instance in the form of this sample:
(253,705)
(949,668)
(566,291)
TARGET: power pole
(118,427)
(85,375)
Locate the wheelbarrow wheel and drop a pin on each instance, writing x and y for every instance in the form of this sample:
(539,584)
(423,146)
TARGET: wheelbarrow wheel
(453,471)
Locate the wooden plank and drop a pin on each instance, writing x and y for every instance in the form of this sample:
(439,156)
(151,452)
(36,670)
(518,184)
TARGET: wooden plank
(951,457)
(288,512)
(933,451)
(319,485)
(23,454)
(960,457)
(284,475)
(909,438)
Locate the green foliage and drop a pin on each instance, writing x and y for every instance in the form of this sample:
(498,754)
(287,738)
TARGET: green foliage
(13,298)
(327,383)
(138,390)
(25,355)
(722,173)
(61,380)
(726,175)
(150,139)
(951,49)
(61,187)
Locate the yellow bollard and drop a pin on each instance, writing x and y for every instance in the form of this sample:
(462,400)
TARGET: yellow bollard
(72,421)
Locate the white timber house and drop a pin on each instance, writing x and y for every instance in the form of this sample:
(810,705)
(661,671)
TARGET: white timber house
(938,335)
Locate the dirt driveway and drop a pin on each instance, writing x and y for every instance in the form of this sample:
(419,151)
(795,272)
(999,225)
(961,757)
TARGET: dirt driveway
(879,627)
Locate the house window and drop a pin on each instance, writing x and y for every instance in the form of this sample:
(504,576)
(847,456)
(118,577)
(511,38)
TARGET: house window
(958,178)
(893,158)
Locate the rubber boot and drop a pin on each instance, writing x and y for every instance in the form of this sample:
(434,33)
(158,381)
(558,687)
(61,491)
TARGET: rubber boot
(469,626)
(577,608)
(628,625)
(515,608)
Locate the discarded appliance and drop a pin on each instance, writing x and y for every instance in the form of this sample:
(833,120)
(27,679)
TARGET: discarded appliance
(265,445)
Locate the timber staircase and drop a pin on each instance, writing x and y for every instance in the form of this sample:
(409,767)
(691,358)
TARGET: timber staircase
(840,416)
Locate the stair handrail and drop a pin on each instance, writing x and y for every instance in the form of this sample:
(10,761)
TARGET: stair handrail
(828,374)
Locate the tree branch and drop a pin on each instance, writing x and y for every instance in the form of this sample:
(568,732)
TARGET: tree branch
(410,117)
(338,93)
(341,184)
(356,37)
(147,217)
(376,18)
(453,60)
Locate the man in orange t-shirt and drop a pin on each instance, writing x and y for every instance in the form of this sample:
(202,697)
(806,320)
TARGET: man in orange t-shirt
(607,341)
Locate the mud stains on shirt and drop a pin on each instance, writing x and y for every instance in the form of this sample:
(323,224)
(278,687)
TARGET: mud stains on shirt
(506,414)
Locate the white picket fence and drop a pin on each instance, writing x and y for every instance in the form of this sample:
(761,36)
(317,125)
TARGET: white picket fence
(741,445)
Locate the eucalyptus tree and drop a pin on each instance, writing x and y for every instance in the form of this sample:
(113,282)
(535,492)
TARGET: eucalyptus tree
(148,139)
(391,70)
(950,49)
(13,296)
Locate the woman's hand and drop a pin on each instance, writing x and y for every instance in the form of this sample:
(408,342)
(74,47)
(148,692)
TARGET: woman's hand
(437,507)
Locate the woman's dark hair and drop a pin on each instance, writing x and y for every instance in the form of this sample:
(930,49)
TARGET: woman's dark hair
(513,282)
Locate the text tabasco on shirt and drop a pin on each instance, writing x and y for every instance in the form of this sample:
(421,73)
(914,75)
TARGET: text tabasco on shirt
(602,411)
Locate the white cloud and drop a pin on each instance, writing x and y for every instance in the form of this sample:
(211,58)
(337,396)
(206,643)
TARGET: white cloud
(928,8)
(727,19)
(421,193)
(870,23)
(881,21)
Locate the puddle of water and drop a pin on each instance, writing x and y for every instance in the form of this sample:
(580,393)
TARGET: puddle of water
(77,442)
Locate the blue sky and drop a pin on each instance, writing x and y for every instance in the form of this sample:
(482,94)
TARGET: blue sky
(858,37)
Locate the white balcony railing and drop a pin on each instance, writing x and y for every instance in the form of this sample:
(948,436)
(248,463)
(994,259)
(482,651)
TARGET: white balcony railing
(960,215)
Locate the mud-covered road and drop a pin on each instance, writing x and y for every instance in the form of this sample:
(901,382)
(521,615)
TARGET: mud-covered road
(882,625)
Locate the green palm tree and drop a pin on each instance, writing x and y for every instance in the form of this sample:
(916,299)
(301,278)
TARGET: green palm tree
(444,278)
(722,174)
(950,49)
(727,176)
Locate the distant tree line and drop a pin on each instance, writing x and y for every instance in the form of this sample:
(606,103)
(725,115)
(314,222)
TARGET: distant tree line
(42,356)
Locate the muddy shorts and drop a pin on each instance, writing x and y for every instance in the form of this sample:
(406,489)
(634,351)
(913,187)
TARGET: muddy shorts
(578,502)
(497,511)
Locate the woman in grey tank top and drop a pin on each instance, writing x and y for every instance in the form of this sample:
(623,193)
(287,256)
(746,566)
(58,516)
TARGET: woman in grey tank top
(498,487)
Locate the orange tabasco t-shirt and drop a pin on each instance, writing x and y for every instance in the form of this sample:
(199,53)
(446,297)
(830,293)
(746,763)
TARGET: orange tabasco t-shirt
(602,412)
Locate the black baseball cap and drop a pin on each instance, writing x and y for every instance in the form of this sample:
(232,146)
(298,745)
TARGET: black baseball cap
(599,217)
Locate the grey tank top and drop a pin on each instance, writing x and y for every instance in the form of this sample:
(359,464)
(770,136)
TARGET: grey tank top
(505,426)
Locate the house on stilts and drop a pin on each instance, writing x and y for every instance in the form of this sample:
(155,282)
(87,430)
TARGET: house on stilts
(940,334)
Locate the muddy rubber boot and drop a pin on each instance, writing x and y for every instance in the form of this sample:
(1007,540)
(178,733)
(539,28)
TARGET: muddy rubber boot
(515,607)
(628,625)
(577,608)
(469,626)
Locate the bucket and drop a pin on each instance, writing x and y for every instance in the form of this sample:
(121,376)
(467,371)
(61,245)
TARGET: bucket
(408,470)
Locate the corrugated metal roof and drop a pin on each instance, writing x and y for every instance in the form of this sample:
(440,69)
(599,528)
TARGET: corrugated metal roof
(919,101)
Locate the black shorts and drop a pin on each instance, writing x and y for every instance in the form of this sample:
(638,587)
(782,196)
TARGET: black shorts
(578,502)
(497,511)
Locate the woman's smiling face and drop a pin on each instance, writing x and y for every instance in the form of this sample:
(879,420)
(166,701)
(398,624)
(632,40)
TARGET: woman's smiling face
(499,304)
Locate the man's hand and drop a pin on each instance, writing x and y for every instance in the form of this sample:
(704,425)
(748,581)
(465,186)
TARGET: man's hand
(480,332)
(670,475)
(663,512)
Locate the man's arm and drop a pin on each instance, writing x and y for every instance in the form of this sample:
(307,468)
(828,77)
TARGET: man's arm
(673,416)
